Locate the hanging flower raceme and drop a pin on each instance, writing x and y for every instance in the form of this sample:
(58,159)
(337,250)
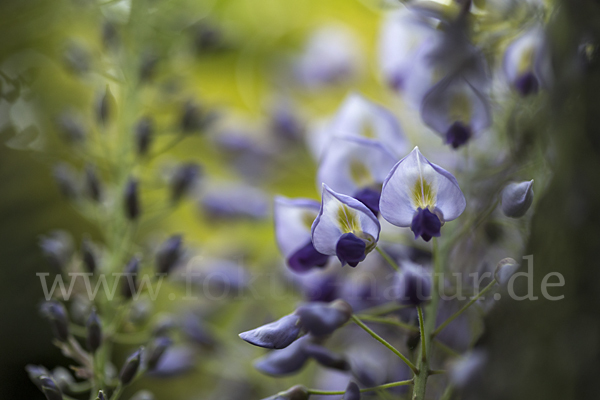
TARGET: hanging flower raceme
(356,167)
(345,227)
(527,62)
(293,221)
(362,118)
(456,110)
(420,195)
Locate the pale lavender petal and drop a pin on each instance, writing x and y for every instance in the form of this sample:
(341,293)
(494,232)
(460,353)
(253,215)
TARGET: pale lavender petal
(293,221)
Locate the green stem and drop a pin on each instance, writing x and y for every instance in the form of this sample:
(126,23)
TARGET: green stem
(385,343)
(465,307)
(117,392)
(388,321)
(370,389)
(388,258)
(422,332)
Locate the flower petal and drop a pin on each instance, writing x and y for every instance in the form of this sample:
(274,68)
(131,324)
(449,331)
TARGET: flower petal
(276,335)
(293,221)
(341,214)
(353,163)
(284,362)
(323,318)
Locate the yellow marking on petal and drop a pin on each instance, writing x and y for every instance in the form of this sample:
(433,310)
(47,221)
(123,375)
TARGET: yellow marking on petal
(526,60)
(308,218)
(368,130)
(460,108)
(423,194)
(360,174)
(348,219)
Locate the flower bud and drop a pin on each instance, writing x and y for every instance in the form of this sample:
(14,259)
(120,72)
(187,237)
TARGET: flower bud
(71,127)
(66,180)
(326,358)
(94,332)
(284,362)
(92,184)
(276,335)
(50,389)
(505,269)
(58,248)
(101,395)
(156,351)
(132,201)
(144,132)
(169,254)
(413,285)
(129,286)
(193,118)
(88,255)
(106,107)
(323,318)
(517,198)
(352,392)
(36,372)
(57,314)
(183,180)
(131,366)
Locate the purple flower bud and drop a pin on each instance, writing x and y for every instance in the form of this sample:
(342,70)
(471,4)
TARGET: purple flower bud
(157,350)
(50,389)
(517,198)
(105,107)
(92,184)
(169,254)
(323,318)
(66,180)
(276,335)
(352,392)
(144,133)
(194,329)
(36,372)
(505,270)
(101,395)
(130,368)
(88,255)
(183,179)
(130,283)
(413,285)
(326,357)
(175,361)
(350,249)
(57,315)
(94,332)
(426,224)
(132,200)
(284,362)
(57,248)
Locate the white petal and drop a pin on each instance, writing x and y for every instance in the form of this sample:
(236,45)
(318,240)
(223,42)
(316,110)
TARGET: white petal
(328,227)
(353,163)
(293,220)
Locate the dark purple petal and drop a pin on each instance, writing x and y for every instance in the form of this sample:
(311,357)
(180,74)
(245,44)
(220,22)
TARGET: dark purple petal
(326,357)
(306,257)
(350,249)
(458,134)
(323,318)
(283,362)
(426,224)
(527,84)
(276,335)
(413,286)
(370,198)
(352,392)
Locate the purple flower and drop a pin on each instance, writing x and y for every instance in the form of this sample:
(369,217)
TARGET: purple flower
(345,227)
(527,63)
(284,362)
(276,335)
(293,221)
(456,110)
(352,392)
(420,195)
(356,167)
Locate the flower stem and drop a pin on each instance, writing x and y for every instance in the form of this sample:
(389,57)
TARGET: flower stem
(387,258)
(465,307)
(385,343)
(370,389)
(422,332)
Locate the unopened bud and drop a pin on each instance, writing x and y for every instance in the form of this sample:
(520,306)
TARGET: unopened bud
(106,106)
(92,184)
(517,198)
(50,389)
(169,254)
(88,255)
(94,332)
(129,286)
(156,351)
(144,132)
(183,179)
(132,201)
(131,366)
(505,269)
(57,315)
(297,392)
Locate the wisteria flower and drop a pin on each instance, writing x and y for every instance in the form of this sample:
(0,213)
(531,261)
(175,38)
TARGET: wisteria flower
(527,62)
(345,228)
(362,118)
(356,167)
(293,222)
(420,195)
(456,110)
